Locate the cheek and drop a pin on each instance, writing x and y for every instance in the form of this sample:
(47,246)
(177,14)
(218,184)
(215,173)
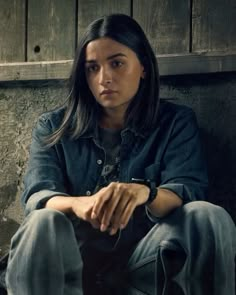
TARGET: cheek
(92,84)
(134,75)
(132,81)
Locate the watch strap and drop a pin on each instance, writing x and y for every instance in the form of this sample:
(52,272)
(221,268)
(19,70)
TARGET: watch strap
(151,185)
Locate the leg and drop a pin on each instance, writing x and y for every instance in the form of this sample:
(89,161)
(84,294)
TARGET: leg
(194,242)
(44,256)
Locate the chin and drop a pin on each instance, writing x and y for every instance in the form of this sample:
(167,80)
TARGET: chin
(111,104)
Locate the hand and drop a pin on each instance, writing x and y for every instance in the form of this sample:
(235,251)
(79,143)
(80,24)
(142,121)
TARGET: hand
(116,203)
(82,207)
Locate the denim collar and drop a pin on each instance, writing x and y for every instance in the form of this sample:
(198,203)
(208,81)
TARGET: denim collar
(93,132)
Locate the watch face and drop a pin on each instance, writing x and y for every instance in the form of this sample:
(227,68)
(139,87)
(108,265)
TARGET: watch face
(139,181)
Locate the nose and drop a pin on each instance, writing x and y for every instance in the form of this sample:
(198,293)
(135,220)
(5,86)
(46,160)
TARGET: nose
(105,76)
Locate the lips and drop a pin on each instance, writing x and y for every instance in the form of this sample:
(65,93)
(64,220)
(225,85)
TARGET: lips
(107,91)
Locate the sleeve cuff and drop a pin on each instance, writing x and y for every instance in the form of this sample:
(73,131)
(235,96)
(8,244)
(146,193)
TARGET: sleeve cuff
(37,200)
(152,217)
(177,188)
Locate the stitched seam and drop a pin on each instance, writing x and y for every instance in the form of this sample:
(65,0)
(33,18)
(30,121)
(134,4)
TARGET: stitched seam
(142,262)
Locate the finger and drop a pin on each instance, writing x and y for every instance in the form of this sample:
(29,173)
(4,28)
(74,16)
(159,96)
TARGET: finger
(99,218)
(127,214)
(111,207)
(113,231)
(116,217)
(125,218)
(102,197)
(95,224)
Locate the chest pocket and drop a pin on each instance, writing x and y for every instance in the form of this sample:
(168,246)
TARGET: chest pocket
(153,172)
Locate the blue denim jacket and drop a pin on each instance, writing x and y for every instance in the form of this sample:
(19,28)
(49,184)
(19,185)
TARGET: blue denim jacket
(170,154)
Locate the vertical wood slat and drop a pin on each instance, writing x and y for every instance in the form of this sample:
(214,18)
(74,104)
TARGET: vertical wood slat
(12,31)
(214,25)
(51,29)
(166,23)
(89,10)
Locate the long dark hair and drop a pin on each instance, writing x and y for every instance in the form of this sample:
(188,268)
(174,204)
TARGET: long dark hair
(81,107)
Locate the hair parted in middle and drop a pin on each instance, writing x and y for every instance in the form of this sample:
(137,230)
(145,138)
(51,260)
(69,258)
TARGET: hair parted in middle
(82,110)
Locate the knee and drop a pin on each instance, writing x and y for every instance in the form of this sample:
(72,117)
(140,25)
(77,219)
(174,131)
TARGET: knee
(205,211)
(203,207)
(45,220)
(47,215)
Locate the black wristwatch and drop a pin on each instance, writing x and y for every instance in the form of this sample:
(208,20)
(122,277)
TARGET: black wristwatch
(151,185)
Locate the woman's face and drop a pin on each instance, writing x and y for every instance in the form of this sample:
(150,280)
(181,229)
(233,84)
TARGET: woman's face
(113,73)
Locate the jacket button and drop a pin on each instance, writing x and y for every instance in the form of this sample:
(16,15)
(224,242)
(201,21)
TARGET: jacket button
(88,193)
(99,162)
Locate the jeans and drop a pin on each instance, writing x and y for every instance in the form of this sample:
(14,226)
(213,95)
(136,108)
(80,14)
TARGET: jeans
(195,242)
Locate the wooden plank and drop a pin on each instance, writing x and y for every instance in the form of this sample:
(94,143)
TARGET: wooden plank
(168,65)
(214,25)
(51,29)
(35,71)
(89,10)
(12,32)
(166,24)
(196,64)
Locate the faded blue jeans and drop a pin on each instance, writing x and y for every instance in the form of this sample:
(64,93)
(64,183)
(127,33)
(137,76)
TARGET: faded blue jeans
(195,242)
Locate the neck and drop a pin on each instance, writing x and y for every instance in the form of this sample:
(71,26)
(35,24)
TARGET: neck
(112,120)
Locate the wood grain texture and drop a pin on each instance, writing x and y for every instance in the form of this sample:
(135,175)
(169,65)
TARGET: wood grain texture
(51,29)
(35,71)
(166,24)
(89,10)
(214,25)
(12,31)
(169,64)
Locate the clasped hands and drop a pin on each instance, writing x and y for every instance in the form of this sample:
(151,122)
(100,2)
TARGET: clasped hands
(111,208)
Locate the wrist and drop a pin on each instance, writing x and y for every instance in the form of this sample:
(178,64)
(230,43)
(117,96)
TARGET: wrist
(152,188)
(61,203)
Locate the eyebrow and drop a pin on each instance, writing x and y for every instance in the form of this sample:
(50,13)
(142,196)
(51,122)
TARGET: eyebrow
(108,58)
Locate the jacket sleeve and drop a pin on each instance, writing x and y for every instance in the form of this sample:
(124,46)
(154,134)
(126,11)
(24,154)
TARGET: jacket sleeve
(183,167)
(44,177)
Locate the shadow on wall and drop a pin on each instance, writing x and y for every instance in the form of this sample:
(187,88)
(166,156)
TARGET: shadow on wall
(220,158)
(213,98)
(8,226)
(7,196)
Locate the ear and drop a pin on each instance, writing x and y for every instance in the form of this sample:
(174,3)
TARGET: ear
(143,73)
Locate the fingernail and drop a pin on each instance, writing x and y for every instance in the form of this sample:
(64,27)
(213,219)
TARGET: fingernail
(113,231)
(103,227)
(94,215)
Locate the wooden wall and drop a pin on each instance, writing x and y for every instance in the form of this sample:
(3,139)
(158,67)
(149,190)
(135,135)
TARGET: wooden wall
(48,30)
(12,32)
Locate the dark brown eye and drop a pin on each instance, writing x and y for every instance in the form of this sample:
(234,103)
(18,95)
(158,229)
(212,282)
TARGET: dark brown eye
(92,68)
(117,63)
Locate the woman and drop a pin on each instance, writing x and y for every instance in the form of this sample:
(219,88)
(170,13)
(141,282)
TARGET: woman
(110,178)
